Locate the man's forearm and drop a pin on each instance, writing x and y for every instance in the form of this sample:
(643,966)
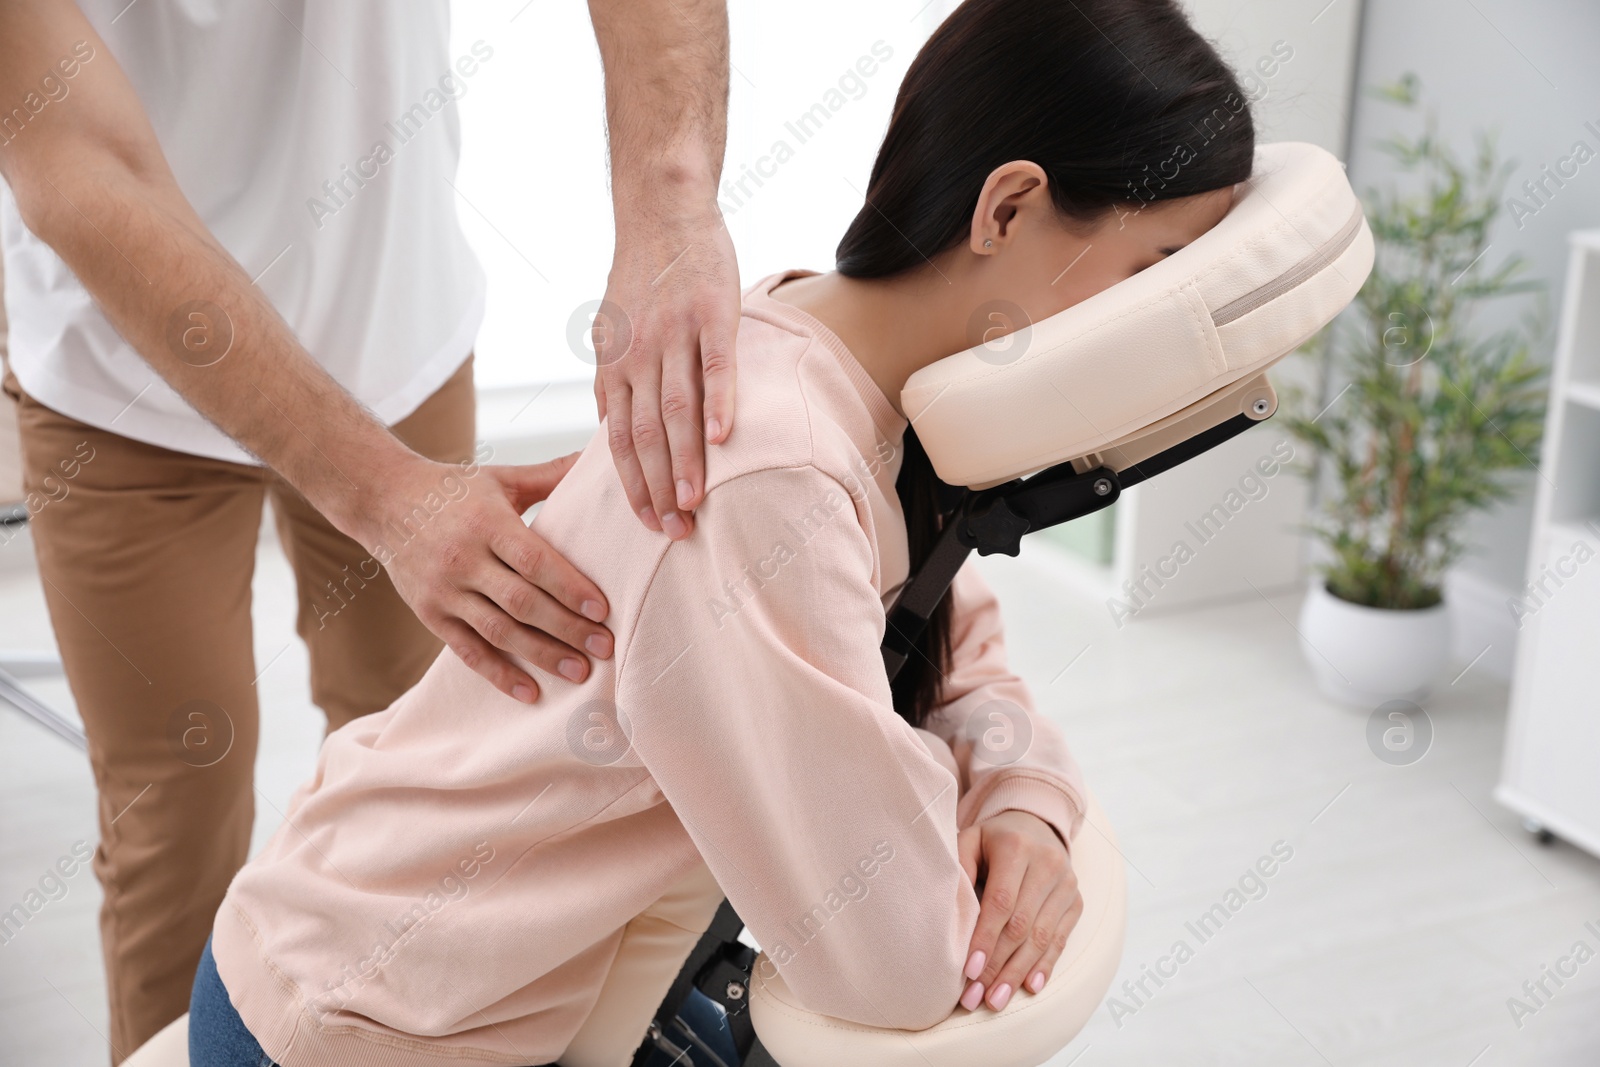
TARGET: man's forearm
(92,183)
(665,376)
(666,75)
(195,316)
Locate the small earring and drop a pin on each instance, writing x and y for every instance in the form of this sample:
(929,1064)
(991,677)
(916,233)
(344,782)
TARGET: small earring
(988,244)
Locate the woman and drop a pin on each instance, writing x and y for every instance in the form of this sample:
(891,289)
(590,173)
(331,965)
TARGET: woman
(453,881)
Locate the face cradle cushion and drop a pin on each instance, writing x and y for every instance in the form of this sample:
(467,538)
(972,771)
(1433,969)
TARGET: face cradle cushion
(1162,347)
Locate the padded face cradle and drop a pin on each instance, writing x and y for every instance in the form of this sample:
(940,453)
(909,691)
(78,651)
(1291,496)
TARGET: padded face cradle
(1289,255)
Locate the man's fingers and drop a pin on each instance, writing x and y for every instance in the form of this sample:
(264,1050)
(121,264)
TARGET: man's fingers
(651,447)
(529,483)
(717,365)
(483,658)
(528,604)
(531,557)
(678,278)
(680,414)
(619,435)
(509,635)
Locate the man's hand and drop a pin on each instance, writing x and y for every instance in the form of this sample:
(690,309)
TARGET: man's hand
(480,579)
(1030,903)
(666,373)
(665,377)
(91,182)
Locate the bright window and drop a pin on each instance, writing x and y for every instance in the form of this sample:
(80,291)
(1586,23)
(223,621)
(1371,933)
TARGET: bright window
(812,88)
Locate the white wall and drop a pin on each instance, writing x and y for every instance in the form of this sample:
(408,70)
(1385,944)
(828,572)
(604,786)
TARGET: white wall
(534,195)
(534,202)
(1527,69)
(1260,548)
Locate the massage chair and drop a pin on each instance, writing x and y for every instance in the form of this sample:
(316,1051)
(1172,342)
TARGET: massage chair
(1026,433)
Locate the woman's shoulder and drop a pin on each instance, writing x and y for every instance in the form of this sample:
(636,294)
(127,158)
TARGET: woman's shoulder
(798,404)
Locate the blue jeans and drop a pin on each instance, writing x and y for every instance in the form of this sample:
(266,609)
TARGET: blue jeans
(218,1037)
(706,1019)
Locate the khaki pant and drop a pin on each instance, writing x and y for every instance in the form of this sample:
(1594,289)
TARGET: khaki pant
(146,555)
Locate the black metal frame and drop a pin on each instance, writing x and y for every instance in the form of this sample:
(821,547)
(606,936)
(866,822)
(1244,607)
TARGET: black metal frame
(988,520)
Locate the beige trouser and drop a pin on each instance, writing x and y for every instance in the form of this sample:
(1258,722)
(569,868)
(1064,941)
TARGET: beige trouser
(146,556)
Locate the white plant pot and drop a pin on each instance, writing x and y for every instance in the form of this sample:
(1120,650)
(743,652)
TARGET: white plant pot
(1365,656)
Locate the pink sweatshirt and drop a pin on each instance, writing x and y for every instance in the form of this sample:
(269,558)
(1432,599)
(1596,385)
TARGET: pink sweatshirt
(453,882)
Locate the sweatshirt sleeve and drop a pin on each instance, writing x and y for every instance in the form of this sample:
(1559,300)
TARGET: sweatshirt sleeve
(1011,757)
(754,693)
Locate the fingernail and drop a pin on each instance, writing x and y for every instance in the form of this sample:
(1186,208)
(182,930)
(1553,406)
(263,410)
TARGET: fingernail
(685,493)
(672,522)
(713,429)
(598,645)
(1001,994)
(1036,983)
(593,610)
(973,996)
(975,964)
(648,516)
(522,693)
(571,669)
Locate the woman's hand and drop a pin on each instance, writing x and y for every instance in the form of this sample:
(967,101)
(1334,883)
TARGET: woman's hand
(1030,903)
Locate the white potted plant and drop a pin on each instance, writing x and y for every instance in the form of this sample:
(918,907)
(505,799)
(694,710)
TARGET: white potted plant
(1426,418)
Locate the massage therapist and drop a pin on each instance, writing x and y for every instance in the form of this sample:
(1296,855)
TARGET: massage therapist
(178,313)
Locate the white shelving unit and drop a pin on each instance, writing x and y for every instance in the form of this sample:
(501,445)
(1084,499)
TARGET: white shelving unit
(1551,774)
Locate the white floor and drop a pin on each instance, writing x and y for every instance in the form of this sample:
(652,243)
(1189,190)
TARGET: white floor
(1412,908)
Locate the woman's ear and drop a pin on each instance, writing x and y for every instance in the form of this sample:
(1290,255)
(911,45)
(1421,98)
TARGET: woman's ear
(1012,189)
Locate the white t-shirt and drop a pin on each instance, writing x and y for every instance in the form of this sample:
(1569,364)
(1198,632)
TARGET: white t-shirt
(318,139)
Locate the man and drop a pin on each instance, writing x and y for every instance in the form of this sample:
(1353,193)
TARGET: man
(234,272)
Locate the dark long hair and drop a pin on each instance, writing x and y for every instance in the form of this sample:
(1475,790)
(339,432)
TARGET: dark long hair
(1120,102)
